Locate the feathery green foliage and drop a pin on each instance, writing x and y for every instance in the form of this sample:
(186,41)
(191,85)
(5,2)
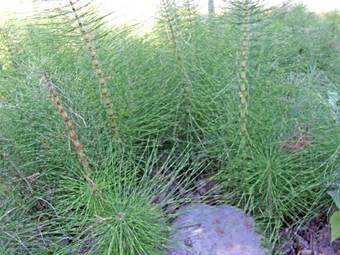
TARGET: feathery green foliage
(246,96)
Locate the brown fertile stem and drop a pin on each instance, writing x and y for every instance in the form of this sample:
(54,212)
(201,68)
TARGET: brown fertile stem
(243,74)
(108,104)
(78,147)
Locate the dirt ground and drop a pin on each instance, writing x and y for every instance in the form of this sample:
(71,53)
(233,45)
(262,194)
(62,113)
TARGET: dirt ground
(314,238)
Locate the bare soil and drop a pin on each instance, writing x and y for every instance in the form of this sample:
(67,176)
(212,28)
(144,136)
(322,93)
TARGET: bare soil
(314,238)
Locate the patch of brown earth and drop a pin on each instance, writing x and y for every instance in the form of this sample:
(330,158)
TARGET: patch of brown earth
(314,238)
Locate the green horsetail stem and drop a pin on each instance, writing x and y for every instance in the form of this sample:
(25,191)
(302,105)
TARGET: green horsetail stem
(108,104)
(243,74)
(170,21)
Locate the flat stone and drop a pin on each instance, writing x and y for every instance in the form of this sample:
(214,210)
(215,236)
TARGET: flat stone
(202,229)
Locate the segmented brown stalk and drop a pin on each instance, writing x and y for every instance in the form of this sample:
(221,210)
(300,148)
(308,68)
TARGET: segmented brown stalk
(243,73)
(77,146)
(173,37)
(108,104)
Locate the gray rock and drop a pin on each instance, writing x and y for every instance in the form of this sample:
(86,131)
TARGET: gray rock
(201,229)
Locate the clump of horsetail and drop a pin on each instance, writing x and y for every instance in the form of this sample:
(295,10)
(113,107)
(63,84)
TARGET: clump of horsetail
(108,104)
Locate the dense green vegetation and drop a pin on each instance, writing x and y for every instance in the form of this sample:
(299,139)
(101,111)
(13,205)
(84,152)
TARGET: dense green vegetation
(104,132)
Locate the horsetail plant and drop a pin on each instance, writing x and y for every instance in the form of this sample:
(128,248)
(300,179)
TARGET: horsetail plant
(169,9)
(108,104)
(138,190)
